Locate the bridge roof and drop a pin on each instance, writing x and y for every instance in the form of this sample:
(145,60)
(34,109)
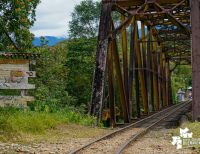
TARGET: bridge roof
(170,20)
(129,3)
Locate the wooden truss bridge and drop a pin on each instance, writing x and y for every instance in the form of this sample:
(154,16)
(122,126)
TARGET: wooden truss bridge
(134,54)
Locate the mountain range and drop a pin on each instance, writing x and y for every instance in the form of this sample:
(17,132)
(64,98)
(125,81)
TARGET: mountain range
(51,40)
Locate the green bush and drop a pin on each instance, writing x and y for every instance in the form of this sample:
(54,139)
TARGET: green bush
(63,88)
(80,63)
(181,77)
(51,80)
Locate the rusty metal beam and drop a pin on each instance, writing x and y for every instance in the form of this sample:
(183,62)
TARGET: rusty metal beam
(175,21)
(121,10)
(163,62)
(125,59)
(131,71)
(159,80)
(122,93)
(137,87)
(155,82)
(167,82)
(141,73)
(177,5)
(122,25)
(111,86)
(150,73)
(144,56)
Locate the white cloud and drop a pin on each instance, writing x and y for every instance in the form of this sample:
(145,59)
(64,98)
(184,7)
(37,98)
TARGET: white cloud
(53,17)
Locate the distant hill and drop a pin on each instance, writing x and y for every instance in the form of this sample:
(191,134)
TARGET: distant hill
(52,40)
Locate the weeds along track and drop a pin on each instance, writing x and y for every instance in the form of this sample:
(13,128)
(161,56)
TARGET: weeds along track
(117,141)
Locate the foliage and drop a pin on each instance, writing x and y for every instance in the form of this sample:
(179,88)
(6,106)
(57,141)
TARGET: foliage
(85,20)
(194,127)
(80,64)
(13,122)
(16,18)
(64,79)
(181,78)
(44,42)
(64,75)
(51,71)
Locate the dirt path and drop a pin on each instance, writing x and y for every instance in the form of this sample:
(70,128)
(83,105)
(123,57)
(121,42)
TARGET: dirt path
(59,141)
(67,138)
(110,145)
(156,142)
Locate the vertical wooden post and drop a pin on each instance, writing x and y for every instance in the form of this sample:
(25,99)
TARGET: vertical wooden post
(137,86)
(195,59)
(170,90)
(159,80)
(125,59)
(149,67)
(155,81)
(144,57)
(167,81)
(137,83)
(111,87)
(140,67)
(164,80)
(132,46)
(101,60)
(120,82)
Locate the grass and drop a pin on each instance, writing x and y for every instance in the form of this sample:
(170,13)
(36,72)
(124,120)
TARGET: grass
(14,122)
(194,127)
(64,133)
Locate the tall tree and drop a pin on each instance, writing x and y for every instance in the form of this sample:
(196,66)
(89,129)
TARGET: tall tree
(80,64)
(85,20)
(16,18)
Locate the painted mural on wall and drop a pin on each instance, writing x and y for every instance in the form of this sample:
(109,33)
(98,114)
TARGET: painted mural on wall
(14,75)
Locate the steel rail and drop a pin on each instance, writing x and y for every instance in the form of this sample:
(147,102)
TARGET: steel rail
(121,130)
(143,132)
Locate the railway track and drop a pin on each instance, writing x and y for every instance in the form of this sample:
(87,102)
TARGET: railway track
(117,141)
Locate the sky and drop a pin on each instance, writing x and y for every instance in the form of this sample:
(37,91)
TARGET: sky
(52,17)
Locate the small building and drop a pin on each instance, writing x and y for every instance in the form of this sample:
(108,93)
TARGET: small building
(15,71)
(181,95)
(189,93)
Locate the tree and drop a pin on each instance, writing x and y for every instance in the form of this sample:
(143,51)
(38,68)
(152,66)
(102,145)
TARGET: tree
(80,64)
(16,18)
(85,20)
(181,78)
(52,75)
